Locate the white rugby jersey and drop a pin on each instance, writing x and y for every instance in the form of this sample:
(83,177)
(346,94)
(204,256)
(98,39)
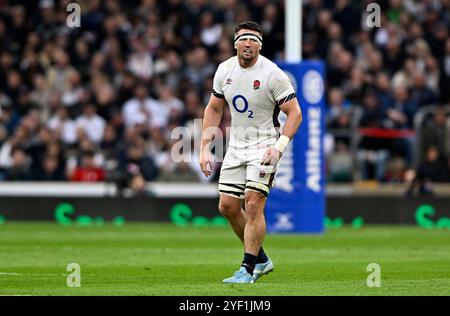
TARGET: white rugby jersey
(254,95)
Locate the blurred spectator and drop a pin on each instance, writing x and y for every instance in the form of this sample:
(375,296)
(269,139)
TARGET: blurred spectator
(393,55)
(126,85)
(73,94)
(20,166)
(356,86)
(432,74)
(170,103)
(420,93)
(210,30)
(29,66)
(106,100)
(144,111)
(140,62)
(404,77)
(132,183)
(434,133)
(434,168)
(383,90)
(58,75)
(198,67)
(38,145)
(345,14)
(373,152)
(41,95)
(90,124)
(136,154)
(20,139)
(170,67)
(340,69)
(63,127)
(272,28)
(88,171)
(401,112)
(50,170)
(74,154)
(225,50)
(400,115)
(14,84)
(444,82)
(339,116)
(110,144)
(9,119)
(192,104)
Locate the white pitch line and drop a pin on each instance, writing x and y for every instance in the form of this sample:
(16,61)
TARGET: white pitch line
(10,273)
(40,274)
(33,274)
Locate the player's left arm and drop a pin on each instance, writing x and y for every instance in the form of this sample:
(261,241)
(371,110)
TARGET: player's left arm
(294,118)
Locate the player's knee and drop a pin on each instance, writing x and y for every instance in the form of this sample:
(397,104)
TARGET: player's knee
(252,208)
(228,209)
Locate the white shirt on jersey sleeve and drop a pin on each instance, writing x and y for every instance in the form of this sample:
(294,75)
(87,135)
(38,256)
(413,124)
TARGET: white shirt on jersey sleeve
(218,82)
(281,87)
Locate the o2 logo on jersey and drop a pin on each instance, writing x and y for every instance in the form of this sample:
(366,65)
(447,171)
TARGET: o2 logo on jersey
(242,106)
(312,86)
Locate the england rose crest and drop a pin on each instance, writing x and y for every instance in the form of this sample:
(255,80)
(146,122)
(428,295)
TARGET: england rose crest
(256,85)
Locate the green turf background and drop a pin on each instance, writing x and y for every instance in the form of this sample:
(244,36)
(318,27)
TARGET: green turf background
(157,259)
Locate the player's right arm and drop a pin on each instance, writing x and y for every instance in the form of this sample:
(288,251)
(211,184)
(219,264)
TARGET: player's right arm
(211,120)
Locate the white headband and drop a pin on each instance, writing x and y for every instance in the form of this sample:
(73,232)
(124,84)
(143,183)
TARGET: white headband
(248,36)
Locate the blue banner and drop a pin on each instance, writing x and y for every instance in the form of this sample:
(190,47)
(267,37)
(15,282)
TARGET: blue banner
(296,203)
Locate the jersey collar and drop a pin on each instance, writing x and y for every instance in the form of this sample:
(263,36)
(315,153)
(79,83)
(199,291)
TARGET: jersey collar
(258,61)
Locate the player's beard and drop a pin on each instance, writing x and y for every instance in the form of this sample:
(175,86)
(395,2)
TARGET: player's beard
(248,57)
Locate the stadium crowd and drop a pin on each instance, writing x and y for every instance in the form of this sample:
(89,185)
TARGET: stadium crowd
(99,102)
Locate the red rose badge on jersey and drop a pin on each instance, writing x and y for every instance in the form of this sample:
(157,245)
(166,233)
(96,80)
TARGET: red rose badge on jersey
(256,85)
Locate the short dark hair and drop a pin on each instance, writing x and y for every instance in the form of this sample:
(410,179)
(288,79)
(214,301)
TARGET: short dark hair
(249,25)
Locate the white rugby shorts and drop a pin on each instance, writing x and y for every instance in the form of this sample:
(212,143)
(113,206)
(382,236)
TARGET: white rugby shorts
(242,171)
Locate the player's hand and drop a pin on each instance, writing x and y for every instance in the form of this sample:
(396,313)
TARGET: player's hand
(206,162)
(271,157)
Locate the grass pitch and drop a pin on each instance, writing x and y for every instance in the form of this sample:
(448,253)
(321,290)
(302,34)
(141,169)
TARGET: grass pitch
(156,259)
